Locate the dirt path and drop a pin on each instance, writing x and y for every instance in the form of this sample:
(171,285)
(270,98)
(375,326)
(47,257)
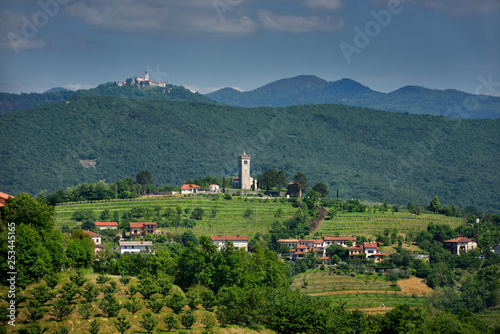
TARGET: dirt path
(316,223)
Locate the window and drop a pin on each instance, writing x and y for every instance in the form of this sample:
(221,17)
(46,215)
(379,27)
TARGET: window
(245,162)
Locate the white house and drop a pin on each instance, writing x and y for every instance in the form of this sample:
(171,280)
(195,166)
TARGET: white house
(96,238)
(459,244)
(238,241)
(190,189)
(107,225)
(213,188)
(135,246)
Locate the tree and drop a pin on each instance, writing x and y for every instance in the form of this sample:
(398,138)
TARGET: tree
(281,179)
(147,287)
(133,305)
(86,310)
(61,308)
(148,322)
(198,213)
(177,301)
(321,189)
(434,205)
(30,211)
(268,179)
(109,306)
(94,326)
(35,311)
(188,319)
(301,179)
(170,321)
(122,324)
(411,207)
(143,178)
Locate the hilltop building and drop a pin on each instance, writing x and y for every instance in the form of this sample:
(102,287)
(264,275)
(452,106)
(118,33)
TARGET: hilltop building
(143,81)
(459,245)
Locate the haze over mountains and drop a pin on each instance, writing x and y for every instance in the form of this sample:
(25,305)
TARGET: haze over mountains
(308,89)
(300,90)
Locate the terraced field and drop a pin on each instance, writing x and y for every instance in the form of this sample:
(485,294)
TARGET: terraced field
(229,218)
(374,223)
(362,291)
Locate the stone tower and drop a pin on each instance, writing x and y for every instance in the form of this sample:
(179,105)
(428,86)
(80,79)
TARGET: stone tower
(244,171)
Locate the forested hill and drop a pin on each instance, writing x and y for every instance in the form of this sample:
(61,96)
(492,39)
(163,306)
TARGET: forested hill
(13,102)
(368,154)
(308,89)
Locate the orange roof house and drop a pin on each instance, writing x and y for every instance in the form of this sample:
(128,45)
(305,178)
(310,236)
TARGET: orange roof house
(142,228)
(107,225)
(3,199)
(238,241)
(190,188)
(459,245)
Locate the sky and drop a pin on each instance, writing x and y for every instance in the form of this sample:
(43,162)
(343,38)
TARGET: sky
(206,45)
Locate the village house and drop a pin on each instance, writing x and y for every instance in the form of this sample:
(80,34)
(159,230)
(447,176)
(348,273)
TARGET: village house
(300,247)
(142,228)
(371,250)
(459,245)
(238,241)
(213,188)
(97,239)
(496,249)
(187,189)
(3,199)
(135,246)
(106,225)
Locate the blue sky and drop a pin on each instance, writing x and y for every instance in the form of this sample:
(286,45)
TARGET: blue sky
(209,44)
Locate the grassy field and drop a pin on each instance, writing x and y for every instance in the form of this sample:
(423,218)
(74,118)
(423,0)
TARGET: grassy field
(361,291)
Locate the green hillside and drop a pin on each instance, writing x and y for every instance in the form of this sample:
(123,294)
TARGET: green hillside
(13,102)
(368,154)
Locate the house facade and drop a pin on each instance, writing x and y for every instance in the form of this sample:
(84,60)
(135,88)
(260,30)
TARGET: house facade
(238,241)
(459,245)
(107,225)
(135,246)
(187,189)
(300,247)
(214,188)
(370,250)
(96,238)
(142,228)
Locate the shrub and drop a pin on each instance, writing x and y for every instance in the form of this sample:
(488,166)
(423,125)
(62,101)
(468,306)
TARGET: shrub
(188,319)
(148,322)
(170,321)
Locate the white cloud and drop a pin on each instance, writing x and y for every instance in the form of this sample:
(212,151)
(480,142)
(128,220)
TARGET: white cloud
(77,86)
(298,24)
(324,4)
(463,7)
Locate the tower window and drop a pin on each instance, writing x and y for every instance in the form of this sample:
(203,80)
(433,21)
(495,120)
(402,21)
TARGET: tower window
(245,162)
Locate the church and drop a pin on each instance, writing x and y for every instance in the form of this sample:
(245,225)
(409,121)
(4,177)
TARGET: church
(244,181)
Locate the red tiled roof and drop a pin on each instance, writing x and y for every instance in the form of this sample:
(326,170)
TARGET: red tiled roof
(106,224)
(229,238)
(357,247)
(189,186)
(291,183)
(339,238)
(459,239)
(92,234)
(141,224)
(324,258)
(301,247)
(372,244)
(6,196)
(289,240)
(213,185)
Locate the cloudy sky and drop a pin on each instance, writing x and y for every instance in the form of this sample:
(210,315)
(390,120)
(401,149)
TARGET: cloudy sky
(208,44)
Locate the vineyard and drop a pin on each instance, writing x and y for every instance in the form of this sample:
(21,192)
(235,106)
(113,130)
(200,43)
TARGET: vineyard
(361,291)
(251,215)
(229,219)
(368,223)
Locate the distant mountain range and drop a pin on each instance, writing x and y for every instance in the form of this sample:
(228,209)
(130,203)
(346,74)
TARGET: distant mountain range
(12,102)
(309,89)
